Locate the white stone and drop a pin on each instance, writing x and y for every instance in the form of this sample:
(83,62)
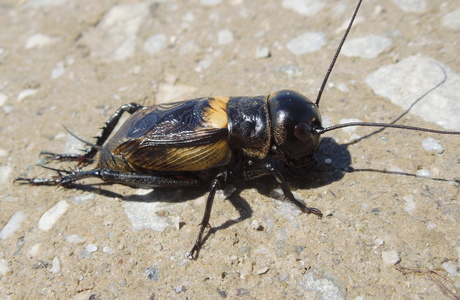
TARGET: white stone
(4,269)
(91,248)
(5,172)
(390,257)
(421,77)
(56,265)
(114,37)
(304,7)
(424,173)
(262,52)
(411,5)
(51,216)
(3,99)
(13,224)
(155,43)
(75,239)
(224,37)
(450,268)
(150,215)
(452,20)
(38,40)
(410,204)
(432,146)
(262,271)
(107,250)
(210,2)
(46,3)
(58,71)
(26,93)
(306,43)
(34,250)
(367,47)
(430,225)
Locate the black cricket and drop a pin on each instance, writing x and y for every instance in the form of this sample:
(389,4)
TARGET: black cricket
(208,139)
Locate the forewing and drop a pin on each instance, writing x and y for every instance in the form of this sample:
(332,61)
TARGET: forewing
(190,137)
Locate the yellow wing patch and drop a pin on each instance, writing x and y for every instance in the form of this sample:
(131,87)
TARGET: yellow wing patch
(216,113)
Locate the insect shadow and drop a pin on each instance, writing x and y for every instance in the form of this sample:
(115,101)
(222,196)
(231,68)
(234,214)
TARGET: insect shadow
(304,178)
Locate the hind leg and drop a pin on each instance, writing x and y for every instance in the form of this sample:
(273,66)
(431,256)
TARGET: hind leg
(66,178)
(100,139)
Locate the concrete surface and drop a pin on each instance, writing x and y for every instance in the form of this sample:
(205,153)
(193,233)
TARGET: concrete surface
(73,63)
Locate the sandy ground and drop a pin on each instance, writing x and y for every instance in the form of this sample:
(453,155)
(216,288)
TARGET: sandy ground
(73,78)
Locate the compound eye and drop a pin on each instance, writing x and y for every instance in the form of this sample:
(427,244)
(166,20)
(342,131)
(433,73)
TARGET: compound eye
(303,132)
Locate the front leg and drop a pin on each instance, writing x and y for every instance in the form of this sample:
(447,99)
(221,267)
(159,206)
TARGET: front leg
(266,168)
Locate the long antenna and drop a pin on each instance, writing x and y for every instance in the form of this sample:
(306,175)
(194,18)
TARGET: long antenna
(337,52)
(385,125)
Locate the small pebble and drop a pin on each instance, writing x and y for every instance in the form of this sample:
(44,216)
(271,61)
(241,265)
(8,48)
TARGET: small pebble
(367,47)
(55,265)
(256,225)
(430,225)
(452,20)
(34,250)
(304,7)
(180,289)
(3,99)
(155,43)
(224,37)
(432,146)
(423,173)
(7,109)
(75,239)
(262,52)
(50,217)
(210,2)
(290,70)
(83,197)
(262,271)
(13,224)
(107,250)
(26,93)
(378,242)
(38,40)
(58,71)
(152,215)
(391,257)
(5,172)
(153,273)
(412,5)
(4,269)
(203,64)
(450,268)
(91,248)
(223,294)
(306,43)
(84,254)
(328,161)
(410,204)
